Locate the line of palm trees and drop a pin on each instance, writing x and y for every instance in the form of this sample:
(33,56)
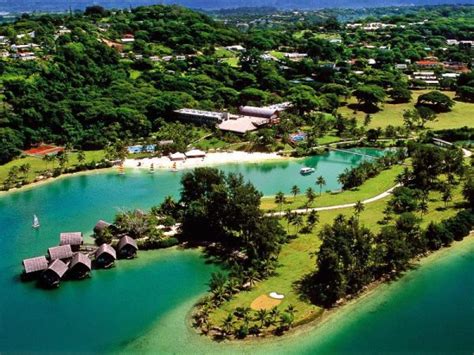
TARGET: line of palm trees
(280,198)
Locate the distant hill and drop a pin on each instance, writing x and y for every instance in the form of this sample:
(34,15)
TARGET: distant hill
(62,5)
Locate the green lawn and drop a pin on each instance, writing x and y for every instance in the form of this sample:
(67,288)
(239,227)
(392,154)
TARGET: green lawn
(232,61)
(38,165)
(135,74)
(461,115)
(296,259)
(371,188)
(221,52)
(277,54)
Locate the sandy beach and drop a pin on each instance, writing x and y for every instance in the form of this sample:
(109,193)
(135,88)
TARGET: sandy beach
(209,159)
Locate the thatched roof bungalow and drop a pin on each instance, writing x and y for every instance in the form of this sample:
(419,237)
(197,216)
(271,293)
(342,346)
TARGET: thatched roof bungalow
(33,266)
(61,252)
(80,266)
(101,226)
(105,256)
(54,273)
(74,239)
(127,247)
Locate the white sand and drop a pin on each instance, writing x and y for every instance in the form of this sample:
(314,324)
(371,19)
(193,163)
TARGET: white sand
(210,159)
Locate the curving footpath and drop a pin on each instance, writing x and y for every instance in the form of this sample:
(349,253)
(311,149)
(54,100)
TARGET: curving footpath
(467,153)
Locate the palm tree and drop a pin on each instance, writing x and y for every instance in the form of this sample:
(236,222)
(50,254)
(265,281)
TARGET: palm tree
(252,277)
(358,208)
(261,316)
(217,280)
(423,207)
(228,324)
(274,313)
(280,199)
(291,310)
(297,222)
(81,157)
(321,182)
(289,218)
(310,196)
(246,316)
(295,190)
(447,195)
(313,218)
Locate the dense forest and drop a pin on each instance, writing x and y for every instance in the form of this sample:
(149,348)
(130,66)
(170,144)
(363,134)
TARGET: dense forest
(103,76)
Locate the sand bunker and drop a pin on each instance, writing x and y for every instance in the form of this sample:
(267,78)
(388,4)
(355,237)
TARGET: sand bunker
(264,302)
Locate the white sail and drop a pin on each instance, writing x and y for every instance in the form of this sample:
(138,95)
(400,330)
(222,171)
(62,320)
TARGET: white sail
(36,223)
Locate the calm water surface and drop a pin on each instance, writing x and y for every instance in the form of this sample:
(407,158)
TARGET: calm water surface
(141,305)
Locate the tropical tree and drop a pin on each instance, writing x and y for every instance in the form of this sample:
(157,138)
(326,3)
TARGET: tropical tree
(313,218)
(289,218)
(358,208)
(310,196)
(261,316)
(228,324)
(297,222)
(25,169)
(295,190)
(423,207)
(320,181)
(447,195)
(280,199)
(81,157)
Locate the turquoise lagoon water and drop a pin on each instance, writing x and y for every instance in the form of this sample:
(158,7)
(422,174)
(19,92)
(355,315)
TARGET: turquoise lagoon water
(141,305)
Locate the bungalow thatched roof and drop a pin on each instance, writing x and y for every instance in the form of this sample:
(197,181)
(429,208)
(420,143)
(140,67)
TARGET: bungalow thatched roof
(35,264)
(105,248)
(58,267)
(80,258)
(101,225)
(60,252)
(126,240)
(71,238)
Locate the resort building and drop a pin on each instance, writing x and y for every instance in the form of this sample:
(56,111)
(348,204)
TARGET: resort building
(127,247)
(54,273)
(33,266)
(177,156)
(74,239)
(128,38)
(101,226)
(200,116)
(80,266)
(242,124)
(105,256)
(195,153)
(62,252)
(263,112)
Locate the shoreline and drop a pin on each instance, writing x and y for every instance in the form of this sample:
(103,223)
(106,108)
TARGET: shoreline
(165,163)
(310,324)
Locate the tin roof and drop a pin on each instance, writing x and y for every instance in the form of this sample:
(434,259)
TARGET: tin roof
(35,264)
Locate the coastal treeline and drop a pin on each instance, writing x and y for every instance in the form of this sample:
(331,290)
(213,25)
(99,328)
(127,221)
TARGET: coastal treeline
(352,256)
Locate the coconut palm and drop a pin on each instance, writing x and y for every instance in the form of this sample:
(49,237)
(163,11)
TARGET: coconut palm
(297,222)
(81,157)
(291,310)
(358,208)
(289,217)
(310,196)
(321,182)
(313,218)
(423,207)
(447,195)
(218,279)
(252,277)
(261,316)
(24,169)
(280,199)
(295,190)
(228,324)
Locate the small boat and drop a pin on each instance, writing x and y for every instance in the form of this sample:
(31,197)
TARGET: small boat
(152,168)
(307,171)
(36,223)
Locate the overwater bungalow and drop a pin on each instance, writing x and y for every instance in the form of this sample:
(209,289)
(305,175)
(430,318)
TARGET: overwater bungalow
(101,226)
(54,273)
(105,256)
(33,266)
(127,247)
(80,266)
(74,239)
(61,252)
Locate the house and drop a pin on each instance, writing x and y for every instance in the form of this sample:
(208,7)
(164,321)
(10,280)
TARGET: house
(61,252)
(295,56)
(74,239)
(401,66)
(427,63)
(200,116)
(242,124)
(101,226)
(128,38)
(34,266)
(54,273)
(127,247)
(195,153)
(235,48)
(105,256)
(177,156)
(80,266)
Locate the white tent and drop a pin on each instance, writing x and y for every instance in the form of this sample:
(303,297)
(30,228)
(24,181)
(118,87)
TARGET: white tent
(177,156)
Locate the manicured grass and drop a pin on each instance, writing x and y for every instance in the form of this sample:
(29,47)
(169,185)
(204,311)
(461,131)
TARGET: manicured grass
(232,61)
(461,115)
(372,187)
(135,74)
(297,259)
(38,165)
(328,139)
(221,52)
(277,54)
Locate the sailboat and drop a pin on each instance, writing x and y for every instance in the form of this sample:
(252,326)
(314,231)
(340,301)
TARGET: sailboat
(36,223)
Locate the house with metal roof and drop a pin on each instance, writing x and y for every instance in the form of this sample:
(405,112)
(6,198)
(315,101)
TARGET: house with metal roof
(33,266)
(61,252)
(127,247)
